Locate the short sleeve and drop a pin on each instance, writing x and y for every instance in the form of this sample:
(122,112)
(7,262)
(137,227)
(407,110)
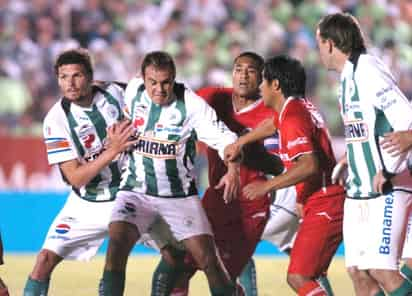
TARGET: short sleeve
(57,139)
(296,135)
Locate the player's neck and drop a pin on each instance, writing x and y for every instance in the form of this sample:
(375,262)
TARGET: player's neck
(85,101)
(241,102)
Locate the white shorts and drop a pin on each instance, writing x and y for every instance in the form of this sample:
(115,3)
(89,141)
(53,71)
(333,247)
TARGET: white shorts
(281,227)
(373,230)
(79,229)
(185,217)
(407,245)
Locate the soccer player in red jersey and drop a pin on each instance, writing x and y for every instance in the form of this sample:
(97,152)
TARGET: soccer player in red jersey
(238,225)
(306,151)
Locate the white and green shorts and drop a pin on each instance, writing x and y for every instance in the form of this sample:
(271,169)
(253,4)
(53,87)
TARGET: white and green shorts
(184,217)
(374,230)
(79,229)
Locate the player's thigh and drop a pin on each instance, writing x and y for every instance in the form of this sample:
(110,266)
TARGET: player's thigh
(317,240)
(281,228)
(75,233)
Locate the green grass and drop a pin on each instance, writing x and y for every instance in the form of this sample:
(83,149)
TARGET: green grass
(81,278)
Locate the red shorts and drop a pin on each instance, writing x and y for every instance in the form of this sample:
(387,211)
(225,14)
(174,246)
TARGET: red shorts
(237,227)
(318,236)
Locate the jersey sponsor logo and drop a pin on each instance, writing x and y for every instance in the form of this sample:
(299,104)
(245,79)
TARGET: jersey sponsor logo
(56,145)
(385,246)
(383,91)
(155,148)
(176,130)
(356,131)
(138,121)
(175,117)
(62,228)
(88,140)
(297,141)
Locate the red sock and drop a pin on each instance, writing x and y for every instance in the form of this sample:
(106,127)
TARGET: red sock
(312,288)
(4,292)
(180,292)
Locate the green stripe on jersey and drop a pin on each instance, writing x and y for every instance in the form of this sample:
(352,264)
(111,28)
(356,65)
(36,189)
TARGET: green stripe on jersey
(172,171)
(382,125)
(98,121)
(150,173)
(76,140)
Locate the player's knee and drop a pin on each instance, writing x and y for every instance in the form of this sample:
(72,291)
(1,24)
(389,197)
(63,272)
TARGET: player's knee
(45,263)
(295,280)
(206,261)
(383,276)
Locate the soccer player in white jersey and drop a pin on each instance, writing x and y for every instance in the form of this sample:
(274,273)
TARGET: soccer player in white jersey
(371,104)
(84,135)
(159,177)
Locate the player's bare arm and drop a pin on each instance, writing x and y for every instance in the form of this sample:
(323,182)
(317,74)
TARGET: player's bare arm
(397,142)
(230,182)
(340,171)
(304,167)
(265,129)
(79,174)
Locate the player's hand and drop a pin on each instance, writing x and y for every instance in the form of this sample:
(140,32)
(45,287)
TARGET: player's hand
(232,152)
(380,183)
(121,136)
(230,182)
(255,190)
(397,142)
(339,172)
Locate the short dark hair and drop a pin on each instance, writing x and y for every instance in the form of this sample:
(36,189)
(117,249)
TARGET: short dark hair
(290,74)
(344,30)
(160,60)
(78,56)
(259,60)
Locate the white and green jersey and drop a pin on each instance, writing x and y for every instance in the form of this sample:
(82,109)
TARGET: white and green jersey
(162,161)
(75,132)
(371,105)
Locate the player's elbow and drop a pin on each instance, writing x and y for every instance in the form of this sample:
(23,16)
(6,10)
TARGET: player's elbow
(76,182)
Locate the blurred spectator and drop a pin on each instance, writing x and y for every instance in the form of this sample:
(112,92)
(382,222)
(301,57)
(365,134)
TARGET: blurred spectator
(202,35)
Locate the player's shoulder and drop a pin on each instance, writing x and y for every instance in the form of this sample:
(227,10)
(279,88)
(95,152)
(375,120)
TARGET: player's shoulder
(55,113)
(214,92)
(369,66)
(295,110)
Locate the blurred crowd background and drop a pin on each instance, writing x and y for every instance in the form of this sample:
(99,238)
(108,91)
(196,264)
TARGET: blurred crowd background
(203,36)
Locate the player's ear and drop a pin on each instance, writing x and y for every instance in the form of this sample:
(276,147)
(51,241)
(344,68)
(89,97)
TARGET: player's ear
(330,46)
(276,84)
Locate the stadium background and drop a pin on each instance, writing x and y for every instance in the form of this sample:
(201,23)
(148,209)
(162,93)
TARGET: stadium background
(202,35)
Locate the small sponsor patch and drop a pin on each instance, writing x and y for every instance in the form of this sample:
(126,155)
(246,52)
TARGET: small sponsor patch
(62,228)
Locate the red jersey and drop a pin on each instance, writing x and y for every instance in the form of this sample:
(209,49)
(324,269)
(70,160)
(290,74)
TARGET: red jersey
(220,99)
(302,130)
(240,222)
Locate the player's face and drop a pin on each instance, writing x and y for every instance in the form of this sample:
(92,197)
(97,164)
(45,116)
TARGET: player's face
(159,84)
(74,83)
(246,77)
(324,47)
(266,90)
